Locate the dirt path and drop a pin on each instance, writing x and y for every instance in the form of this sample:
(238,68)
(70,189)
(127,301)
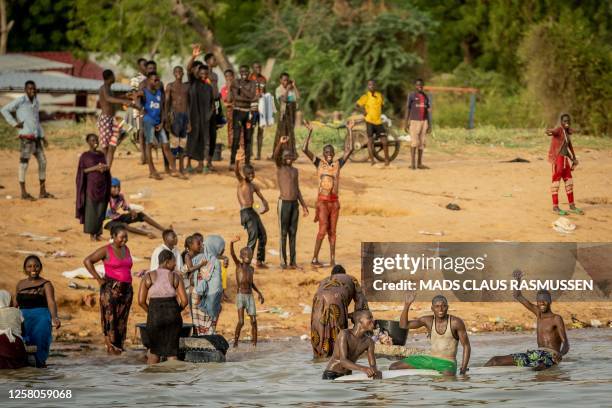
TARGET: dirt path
(499,201)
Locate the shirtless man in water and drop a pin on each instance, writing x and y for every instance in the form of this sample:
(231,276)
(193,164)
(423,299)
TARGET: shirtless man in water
(108,131)
(244,288)
(249,218)
(552,338)
(350,345)
(446,332)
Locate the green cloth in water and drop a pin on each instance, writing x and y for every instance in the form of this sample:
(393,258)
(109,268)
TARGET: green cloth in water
(425,362)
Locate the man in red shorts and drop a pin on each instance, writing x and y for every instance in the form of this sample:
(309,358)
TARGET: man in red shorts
(328,206)
(563,159)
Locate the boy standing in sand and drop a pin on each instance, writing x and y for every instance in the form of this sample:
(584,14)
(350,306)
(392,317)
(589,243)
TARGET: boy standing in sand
(350,345)
(108,130)
(445,332)
(249,218)
(244,288)
(563,159)
(371,103)
(288,202)
(417,122)
(552,338)
(176,106)
(328,206)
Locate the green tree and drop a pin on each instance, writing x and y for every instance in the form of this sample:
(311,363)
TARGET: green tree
(568,68)
(40,25)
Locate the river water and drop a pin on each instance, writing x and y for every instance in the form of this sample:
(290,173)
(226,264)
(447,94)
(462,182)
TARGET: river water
(282,373)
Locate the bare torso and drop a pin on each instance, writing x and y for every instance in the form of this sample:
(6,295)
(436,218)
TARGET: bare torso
(177,92)
(356,346)
(107,107)
(245,194)
(548,331)
(245,278)
(287,177)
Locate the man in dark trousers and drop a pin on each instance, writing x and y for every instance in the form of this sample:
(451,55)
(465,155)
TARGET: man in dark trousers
(241,95)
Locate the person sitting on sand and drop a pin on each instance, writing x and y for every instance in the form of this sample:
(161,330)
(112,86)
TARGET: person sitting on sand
(446,331)
(162,295)
(12,348)
(170,243)
(552,338)
(330,309)
(289,201)
(328,206)
(351,344)
(118,202)
(249,218)
(563,159)
(36,300)
(244,291)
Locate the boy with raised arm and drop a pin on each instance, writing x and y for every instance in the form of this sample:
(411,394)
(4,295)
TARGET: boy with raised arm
(249,218)
(328,206)
(552,338)
(244,291)
(350,345)
(445,331)
(289,200)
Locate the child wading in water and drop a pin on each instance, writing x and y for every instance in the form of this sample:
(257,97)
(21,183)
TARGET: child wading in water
(563,159)
(245,288)
(249,218)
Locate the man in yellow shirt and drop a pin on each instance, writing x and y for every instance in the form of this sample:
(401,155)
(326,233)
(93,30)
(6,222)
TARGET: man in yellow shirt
(371,103)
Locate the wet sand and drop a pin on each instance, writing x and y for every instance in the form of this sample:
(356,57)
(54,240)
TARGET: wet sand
(499,201)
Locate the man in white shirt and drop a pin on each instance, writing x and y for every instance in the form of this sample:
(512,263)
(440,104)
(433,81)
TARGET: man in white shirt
(31,137)
(170,243)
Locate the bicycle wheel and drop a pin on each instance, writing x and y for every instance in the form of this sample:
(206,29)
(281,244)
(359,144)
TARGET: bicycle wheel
(360,146)
(394,147)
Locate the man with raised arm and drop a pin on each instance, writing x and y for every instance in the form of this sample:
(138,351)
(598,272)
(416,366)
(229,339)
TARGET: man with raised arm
(445,330)
(328,206)
(552,338)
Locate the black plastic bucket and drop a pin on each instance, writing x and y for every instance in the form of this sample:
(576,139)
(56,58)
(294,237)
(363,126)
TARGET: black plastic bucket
(392,327)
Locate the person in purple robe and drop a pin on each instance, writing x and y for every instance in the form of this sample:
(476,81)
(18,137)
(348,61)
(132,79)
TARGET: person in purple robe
(93,184)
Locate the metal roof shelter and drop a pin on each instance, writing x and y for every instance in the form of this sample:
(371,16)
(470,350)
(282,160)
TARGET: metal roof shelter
(20,62)
(53,83)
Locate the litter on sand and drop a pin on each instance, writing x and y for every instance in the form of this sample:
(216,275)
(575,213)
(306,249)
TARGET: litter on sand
(74,285)
(273,252)
(437,233)
(61,254)
(36,237)
(82,273)
(24,252)
(306,309)
(563,225)
(516,160)
(453,207)
(208,208)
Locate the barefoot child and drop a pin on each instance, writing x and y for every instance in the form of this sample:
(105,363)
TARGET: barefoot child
(249,218)
(245,287)
(563,159)
(552,338)
(118,202)
(328,206)
(350,345)
(289,200)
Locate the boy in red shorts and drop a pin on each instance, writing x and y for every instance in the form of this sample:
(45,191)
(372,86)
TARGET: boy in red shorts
(563,159)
